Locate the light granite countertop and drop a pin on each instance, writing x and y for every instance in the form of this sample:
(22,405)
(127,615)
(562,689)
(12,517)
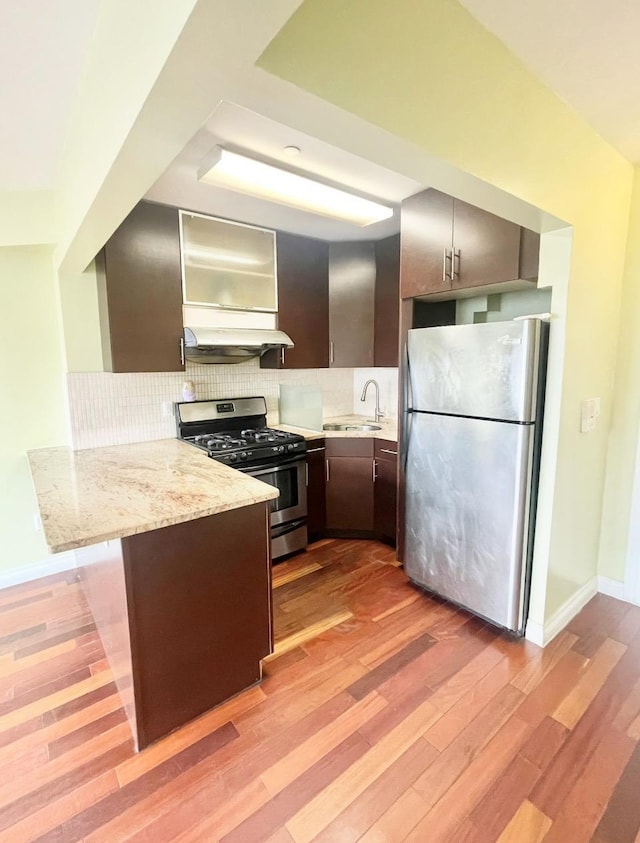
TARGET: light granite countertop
(87,497)
(388,429)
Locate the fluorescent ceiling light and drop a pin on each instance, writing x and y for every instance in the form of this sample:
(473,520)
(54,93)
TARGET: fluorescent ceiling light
(237,172)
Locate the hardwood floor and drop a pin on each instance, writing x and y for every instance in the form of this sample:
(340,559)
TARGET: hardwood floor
(384,715)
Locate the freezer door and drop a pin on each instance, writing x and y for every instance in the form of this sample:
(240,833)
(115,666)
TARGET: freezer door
(467,504)
(488,370)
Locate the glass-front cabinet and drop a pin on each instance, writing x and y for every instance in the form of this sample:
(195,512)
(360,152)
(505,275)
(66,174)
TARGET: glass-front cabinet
(227,264)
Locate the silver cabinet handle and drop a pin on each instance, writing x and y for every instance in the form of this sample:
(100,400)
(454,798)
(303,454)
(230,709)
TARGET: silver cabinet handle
(331,347)
(282,355)
(455,256)
(447,257)
(182,351)
(306,470)
(314,450)
(375,474)
(385,451)
(327,464)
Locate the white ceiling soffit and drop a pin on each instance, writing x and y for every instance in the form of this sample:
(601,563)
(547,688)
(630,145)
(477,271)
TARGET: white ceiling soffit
(42,50)
(245,131)
(586,51)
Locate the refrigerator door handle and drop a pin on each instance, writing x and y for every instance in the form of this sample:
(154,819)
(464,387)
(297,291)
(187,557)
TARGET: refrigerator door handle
(406,437)
(408,407)
(408,385)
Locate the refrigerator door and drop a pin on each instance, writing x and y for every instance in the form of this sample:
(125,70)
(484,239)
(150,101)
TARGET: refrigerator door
(488,370)
(468,484)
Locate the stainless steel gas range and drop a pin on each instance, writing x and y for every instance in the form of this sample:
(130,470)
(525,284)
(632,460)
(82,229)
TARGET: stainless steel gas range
(233,431)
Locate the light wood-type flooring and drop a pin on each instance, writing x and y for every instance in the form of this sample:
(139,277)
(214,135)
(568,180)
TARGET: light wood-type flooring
(384,715)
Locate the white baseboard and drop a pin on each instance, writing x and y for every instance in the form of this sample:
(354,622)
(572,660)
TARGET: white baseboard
(542,634)
(613,588)
(53,565)
(535,633)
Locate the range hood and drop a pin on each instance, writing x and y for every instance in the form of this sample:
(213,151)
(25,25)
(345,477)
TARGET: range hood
(231,345)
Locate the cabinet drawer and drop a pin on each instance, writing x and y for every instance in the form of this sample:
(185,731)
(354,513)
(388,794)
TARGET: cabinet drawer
(347,447)
(386,450)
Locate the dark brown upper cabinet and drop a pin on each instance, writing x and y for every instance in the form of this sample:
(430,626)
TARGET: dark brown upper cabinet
(140,293)
(338,302)
(449,245)
(364,299)
(387,301)
(303,303)
(352,279)
(426,234)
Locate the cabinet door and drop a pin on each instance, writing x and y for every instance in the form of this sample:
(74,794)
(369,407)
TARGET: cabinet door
(141,293)
(426,225)
(385,498)
(316,502)
(387,301)
(487,248)
(350,494)
(529,254)
(227,264)
(352,276)
(303,303)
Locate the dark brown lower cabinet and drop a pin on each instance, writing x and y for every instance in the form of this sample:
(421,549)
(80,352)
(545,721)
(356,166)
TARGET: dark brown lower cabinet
(349,495)
(350,483)
(349,487)
(361,487)
(385,492)
(316,491)
(184,614)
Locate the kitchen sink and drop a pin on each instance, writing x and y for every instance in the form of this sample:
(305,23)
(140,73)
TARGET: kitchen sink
(351,427)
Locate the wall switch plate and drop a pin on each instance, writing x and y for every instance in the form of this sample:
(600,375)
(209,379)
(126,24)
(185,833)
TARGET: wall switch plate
(167,409)
(589,412)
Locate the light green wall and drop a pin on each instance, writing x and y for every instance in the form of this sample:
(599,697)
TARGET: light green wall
(503,306)
(625,425)
(27,218)
(129,48)
(32,389)
(81,323)
(149,83)
(430,73)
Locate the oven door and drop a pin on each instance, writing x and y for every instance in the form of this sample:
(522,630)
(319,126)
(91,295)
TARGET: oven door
(290,479)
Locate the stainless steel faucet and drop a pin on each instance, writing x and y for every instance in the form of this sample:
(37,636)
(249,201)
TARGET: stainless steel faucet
(378,414)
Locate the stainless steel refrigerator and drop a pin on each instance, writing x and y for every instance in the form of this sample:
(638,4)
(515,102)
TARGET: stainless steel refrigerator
(472,433)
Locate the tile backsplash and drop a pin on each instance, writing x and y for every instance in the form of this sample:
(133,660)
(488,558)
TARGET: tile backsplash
(108,409)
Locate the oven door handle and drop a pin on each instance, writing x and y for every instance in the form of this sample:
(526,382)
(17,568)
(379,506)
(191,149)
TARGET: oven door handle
(281,466)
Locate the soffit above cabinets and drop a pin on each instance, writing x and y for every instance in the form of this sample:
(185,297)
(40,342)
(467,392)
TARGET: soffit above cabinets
(242,130)
(586,51)
(43,48)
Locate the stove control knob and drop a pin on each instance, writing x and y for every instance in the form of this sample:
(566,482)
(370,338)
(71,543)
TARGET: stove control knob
(291,447)
(232,457)
(243,455)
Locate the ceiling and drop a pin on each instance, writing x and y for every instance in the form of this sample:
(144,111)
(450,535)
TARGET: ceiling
(243,130)
(586,51)
(42,50)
